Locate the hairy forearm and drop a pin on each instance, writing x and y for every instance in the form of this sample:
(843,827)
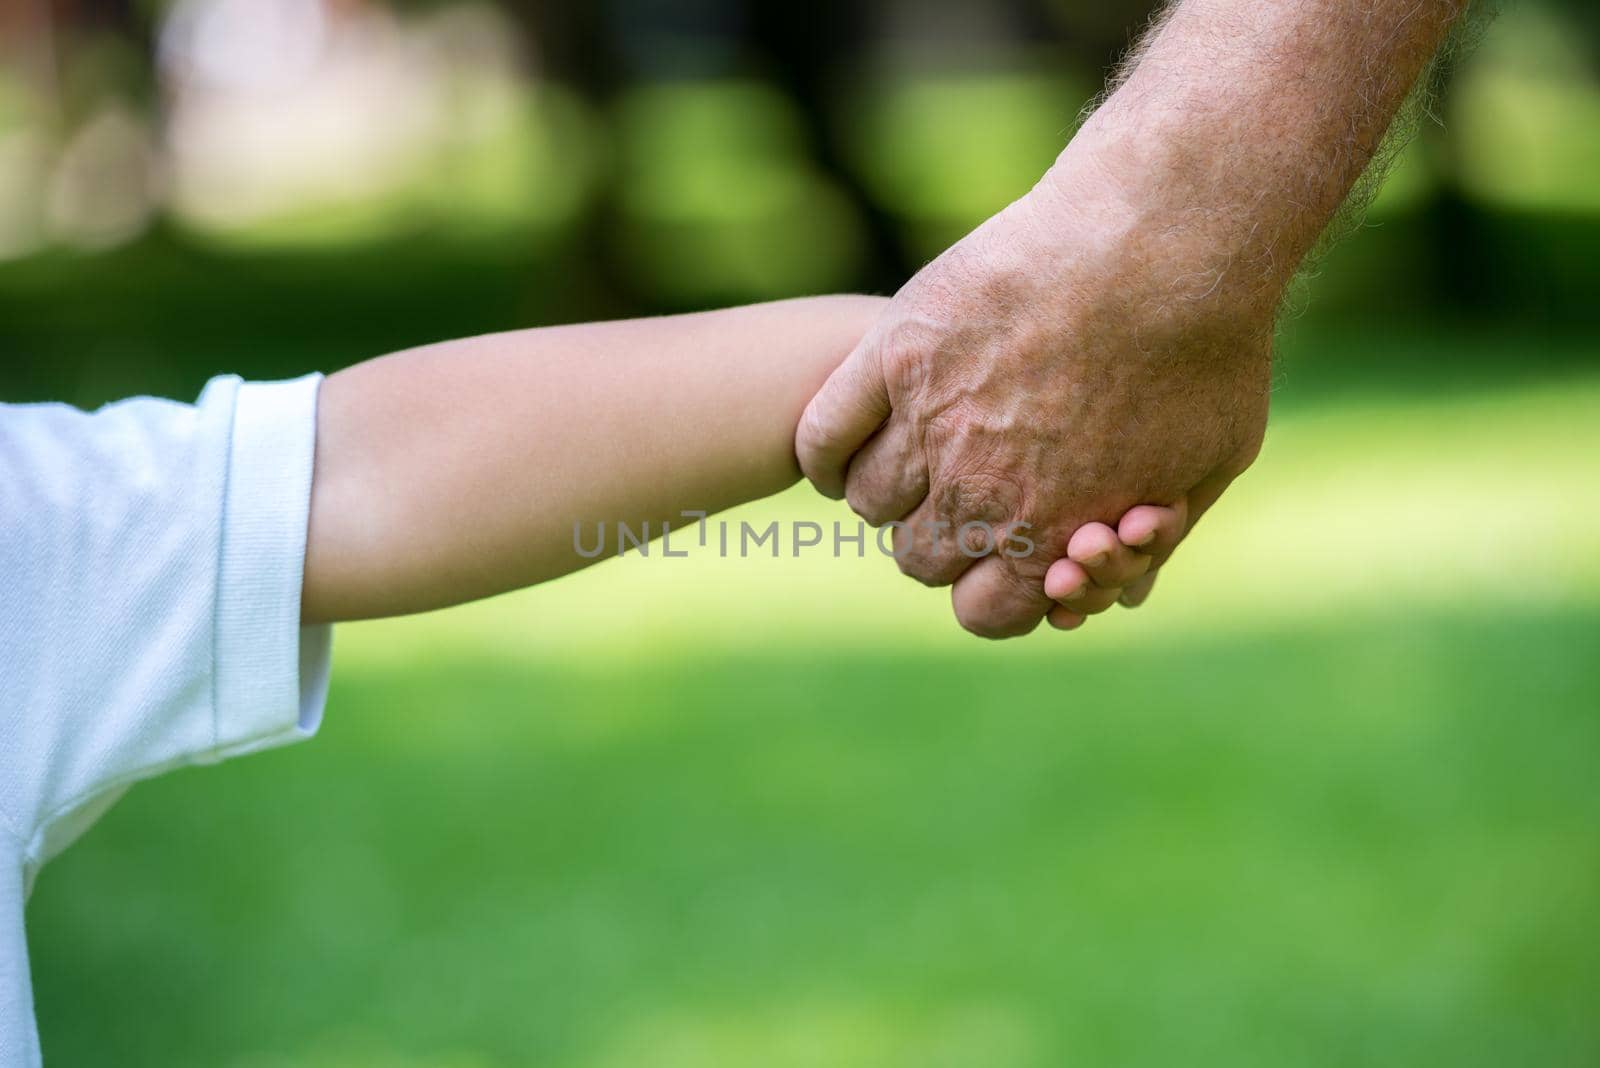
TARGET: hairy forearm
(456,471)
(1240,126)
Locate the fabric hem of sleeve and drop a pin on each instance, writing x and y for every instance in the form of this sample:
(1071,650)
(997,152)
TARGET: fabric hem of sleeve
(270,673)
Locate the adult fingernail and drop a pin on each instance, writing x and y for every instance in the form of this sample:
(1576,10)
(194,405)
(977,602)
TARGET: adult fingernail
(1145,539)
(1096,560)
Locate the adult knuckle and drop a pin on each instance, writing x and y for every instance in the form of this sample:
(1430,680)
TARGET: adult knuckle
(859,497)
(868,499)
(920,554)
(927,563)
(907,350)
(922,567)
(980,493)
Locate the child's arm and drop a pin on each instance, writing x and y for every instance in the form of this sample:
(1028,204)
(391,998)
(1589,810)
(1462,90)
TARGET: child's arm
(456,471)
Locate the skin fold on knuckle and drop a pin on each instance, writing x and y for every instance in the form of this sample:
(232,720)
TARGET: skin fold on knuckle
(910,349)
(930,570)
(974,513)
(869,495)
(928,556)
(861,500)
(975,489)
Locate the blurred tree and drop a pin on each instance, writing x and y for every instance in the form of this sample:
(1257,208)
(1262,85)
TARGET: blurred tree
(814,51)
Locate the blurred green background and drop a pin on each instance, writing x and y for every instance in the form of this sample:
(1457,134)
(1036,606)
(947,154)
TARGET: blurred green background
(1330,799)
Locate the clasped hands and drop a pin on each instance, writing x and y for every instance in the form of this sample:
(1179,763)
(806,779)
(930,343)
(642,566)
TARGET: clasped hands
(1045,410)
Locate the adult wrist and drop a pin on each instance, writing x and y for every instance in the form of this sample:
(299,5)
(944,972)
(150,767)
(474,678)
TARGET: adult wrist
(1121,199)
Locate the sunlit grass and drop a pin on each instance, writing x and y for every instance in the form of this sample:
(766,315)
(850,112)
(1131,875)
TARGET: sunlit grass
(1347,843)
(1329,800)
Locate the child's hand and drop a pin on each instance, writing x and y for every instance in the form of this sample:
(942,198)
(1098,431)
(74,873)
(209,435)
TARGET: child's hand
(1105,566)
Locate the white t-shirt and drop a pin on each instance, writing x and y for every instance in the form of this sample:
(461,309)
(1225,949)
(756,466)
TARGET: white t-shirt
(151,556)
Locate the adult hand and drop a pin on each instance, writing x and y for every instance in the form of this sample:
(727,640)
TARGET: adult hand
(1105,341)
(1080,353)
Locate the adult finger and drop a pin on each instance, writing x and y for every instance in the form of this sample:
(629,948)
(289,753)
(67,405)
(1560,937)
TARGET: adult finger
(937,551)
(851,405)
(888,477)
(991,601)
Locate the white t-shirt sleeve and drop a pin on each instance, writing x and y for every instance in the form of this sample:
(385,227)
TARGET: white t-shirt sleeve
(152,556)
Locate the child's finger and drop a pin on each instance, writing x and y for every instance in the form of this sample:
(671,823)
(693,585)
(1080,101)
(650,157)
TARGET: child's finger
(1092,601)
(1153,530)
(1065,580)
(1069,585)
(1063,618)
(1110,564)
(1138,590)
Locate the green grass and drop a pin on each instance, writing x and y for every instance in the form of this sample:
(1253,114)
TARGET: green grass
(1329,800)
(1361,843)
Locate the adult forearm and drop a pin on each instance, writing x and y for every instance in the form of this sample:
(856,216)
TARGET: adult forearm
(1241,125)
(458,470)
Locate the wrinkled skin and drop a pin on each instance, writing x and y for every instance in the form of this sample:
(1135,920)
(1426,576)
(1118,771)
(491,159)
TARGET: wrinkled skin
(1067,360)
